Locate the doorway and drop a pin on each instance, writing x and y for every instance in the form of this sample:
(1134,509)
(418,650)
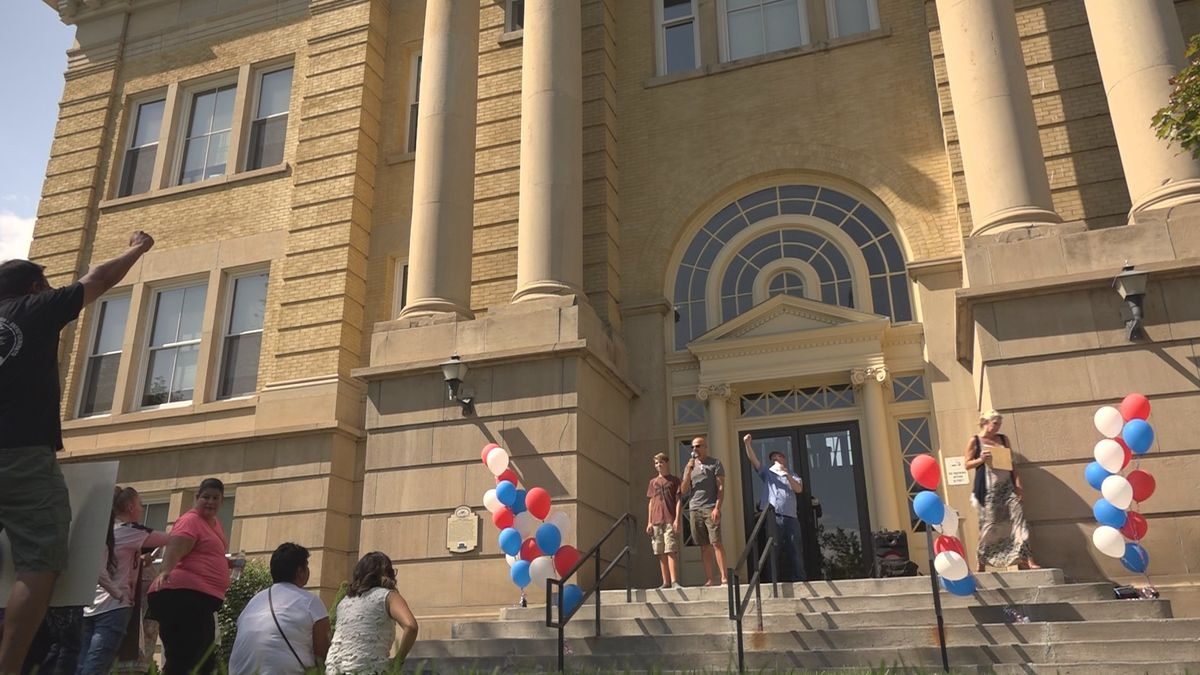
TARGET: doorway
(828,458)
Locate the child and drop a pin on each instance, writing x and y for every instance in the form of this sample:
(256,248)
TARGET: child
(663,521)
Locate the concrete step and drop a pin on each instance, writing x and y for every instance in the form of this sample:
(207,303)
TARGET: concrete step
(778,638)
(835,603)
(583,625)
(1116,668)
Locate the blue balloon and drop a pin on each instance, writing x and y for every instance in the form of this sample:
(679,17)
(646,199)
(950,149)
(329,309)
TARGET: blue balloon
(520,573)
(1095,474)
(964,586)
(1136,559)
(506,492)
(510,540)
(572,596)
(1107,514)
(518,504)
(929,507)
(1138,435)
(548,538)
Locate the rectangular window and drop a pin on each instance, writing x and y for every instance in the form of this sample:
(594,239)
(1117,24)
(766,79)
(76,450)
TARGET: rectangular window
(676,36)
(413,107)
(755,27)
(850,17)
(175,333)
(514,16)
(243,336)
(400,288)
(225,516)
(104,355)
(154,515)
(138,168)
(915,440)
(206,137)
(908,388)
(268,130)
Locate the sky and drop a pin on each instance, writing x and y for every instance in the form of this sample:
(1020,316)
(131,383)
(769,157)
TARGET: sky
(33,56)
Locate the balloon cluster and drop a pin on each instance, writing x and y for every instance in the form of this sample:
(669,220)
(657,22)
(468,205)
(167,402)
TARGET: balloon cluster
(1126,434)
(951,559)
(531,533)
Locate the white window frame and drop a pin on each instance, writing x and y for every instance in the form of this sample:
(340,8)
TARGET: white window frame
(184,120)
(148,335)
(509,29)
(414,102)
(93,333)
(252,113)
(723,30)
(135,106)
(230,296)
(661,27)
(399,286)
(831,13)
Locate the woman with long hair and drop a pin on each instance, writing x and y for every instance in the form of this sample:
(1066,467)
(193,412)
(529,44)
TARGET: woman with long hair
(367,618)
(1003,532)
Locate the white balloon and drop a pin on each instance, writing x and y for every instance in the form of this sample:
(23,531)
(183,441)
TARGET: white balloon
(540,570)
(1117,491)
(560,520)
(497,461)
(1110,455)
(1108,421)
(951,565)
(949,524)
(526,524)
(1109,541)
(510,559)
(490,502)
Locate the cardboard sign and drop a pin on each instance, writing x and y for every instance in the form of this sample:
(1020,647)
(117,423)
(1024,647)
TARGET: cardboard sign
(1002,458)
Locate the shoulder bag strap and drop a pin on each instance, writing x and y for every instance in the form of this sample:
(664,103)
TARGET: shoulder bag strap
(271,604)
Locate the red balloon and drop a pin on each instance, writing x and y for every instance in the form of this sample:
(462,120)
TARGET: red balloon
(1143,485)
(530,550)
(1128,453)
(1135,526)
(508,475)
(1135,407)
(503,518)
(537,502)
(486,449)
(566,558)
(925,470)
(947,543)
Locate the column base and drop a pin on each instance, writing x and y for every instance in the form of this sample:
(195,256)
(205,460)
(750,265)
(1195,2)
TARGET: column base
(1013,218)
(1166,196)
(434,306)
(536,290)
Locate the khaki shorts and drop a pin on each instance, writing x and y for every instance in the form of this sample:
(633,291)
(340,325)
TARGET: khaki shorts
(664,539)
(704,530)
(35,509)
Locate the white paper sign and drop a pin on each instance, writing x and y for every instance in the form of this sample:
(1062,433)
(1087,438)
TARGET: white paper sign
(91,489)
(956,471)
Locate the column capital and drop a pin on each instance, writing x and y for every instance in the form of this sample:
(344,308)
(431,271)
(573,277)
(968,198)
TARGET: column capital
(859,376)
(721,391)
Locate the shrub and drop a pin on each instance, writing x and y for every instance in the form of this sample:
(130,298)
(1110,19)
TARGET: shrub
(337,597)
(255,577)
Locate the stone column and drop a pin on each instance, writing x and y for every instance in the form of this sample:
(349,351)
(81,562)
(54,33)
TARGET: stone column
(439,253)
(1140,48)
(879,465)
(993,111)
(550,231)
(716,398)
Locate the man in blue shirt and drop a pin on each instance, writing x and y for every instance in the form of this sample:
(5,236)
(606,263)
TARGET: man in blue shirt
(782,487)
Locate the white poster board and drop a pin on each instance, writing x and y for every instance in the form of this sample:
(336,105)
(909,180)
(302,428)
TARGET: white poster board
(91,489)
(956,471)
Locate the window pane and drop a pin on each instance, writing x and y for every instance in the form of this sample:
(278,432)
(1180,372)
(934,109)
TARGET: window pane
(275,94)
(218,149)
(266,142)
(139,167)
(516,15)
(239,371)
(745,34)
(192,313)
(223,109)
(158,377)
(783,25)
(249,302)
(680,48)
(194,153)
(225,515)
(202,113)
(741,4)
(166,317)
(111,325)
(154,516)
(149,123)
(676,9)
(99,385)
(184,373)
(852,16)
(412,128)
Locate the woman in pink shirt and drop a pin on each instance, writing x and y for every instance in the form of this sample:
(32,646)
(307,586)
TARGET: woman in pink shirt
(192,584)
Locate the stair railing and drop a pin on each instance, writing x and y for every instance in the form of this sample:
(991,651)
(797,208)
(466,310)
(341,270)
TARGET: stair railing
(594,554)
(737,603)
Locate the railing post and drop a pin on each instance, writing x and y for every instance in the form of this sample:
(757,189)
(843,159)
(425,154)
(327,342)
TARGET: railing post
(737,594)
(629,524)
(598,593)
(773,535)
(758,586)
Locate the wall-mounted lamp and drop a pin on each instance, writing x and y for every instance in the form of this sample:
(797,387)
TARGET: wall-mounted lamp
(1131,284)
(453,371)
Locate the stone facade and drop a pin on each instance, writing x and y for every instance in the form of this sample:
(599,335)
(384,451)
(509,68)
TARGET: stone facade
(592,284)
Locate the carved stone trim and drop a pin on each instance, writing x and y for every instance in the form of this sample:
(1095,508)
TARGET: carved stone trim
(859,376)
(721,391)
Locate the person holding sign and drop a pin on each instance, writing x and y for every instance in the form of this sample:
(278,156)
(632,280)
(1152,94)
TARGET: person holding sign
(1003,532)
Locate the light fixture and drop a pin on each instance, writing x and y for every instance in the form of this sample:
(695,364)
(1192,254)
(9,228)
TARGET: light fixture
(1131,284)
(453,371)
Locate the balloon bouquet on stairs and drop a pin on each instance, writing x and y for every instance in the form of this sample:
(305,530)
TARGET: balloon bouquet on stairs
(531,531)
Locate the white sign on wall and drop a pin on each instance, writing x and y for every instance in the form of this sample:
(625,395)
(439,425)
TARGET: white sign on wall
(956,471)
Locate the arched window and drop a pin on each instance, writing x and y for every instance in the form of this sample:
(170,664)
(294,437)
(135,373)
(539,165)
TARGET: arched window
(802,243)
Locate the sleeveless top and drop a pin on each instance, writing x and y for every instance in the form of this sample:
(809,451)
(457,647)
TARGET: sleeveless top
(363,636)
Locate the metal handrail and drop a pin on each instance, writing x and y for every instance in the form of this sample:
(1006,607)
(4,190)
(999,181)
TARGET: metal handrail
(630,521)
(738,604)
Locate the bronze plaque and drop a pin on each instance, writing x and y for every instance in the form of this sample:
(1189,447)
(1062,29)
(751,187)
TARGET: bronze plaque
(462,530)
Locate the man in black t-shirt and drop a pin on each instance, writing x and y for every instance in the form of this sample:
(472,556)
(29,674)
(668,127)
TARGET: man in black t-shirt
(35,510)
